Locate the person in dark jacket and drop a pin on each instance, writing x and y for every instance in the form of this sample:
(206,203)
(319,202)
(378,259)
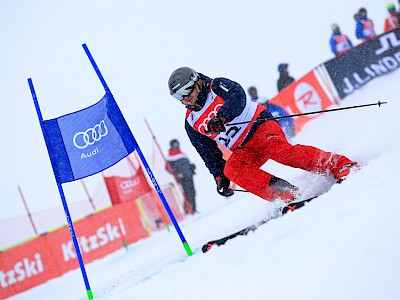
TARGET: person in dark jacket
(340,43)
(217,111)
(287,124)
(284,78)
(183,170)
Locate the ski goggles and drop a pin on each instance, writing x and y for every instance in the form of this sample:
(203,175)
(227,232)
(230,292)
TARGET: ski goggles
(186,90)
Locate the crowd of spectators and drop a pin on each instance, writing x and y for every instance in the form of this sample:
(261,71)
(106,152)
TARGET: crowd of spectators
(339,44)
(364,29)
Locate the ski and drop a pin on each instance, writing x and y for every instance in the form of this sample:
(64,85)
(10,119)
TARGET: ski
(278,213)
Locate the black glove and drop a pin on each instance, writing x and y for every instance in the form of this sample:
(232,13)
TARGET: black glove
(216,125)
(223,186)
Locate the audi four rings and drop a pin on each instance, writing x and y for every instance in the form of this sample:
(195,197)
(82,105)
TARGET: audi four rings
(88,137)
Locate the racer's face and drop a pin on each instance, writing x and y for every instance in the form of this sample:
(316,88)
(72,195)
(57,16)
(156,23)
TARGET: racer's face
(191,99)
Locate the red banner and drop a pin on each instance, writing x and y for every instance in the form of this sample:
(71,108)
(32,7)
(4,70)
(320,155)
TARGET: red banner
(303,96)
(53,254)
(26,266)
(122,189)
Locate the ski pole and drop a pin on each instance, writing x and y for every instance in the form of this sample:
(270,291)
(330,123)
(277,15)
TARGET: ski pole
(237,190)
(379,103)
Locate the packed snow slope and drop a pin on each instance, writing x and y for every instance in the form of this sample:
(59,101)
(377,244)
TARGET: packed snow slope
(343,245)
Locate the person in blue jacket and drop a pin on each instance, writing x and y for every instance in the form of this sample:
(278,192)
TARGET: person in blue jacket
(287,124)
(364,27)
(340,43)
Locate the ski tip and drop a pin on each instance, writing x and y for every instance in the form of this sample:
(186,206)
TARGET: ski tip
(207,247)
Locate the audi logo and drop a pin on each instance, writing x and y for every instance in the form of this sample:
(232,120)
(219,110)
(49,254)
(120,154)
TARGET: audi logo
(130,183)
(88,137)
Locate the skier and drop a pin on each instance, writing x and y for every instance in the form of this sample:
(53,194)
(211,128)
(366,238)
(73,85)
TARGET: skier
(212,104)
(180,166)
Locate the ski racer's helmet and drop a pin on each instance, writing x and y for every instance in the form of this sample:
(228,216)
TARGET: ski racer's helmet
(182,82)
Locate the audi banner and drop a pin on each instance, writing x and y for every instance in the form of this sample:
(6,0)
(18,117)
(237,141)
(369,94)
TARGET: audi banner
(122,189)
(88,141)
(365,62)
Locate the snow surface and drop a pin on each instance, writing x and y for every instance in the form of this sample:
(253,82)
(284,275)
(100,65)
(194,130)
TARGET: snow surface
(344,245)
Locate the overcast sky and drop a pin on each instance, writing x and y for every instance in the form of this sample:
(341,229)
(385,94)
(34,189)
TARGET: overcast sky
(136,46)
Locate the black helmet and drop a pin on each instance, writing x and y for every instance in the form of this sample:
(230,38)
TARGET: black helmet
(174,144)
(282,67)
(252,89)
(181,82)
(362,12)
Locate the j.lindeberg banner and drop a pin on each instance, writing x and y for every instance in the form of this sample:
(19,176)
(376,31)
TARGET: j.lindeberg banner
(363,63)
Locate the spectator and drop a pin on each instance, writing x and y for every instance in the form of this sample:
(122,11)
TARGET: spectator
(183,170)
(340,43)
(392,20)
(254,95)
(287,124)
(284,78)
(364,26)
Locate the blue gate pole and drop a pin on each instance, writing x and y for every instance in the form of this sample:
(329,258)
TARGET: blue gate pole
(103,82)
(149,172)
(61,191)
(164,201)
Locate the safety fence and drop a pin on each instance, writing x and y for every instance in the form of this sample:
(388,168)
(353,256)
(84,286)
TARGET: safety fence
(19,229)
(52,254)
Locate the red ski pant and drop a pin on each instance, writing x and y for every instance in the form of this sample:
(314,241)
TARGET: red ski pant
(269,142)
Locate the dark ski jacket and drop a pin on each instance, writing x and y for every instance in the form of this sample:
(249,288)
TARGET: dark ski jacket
(284,80)
(235,102)
(180,163)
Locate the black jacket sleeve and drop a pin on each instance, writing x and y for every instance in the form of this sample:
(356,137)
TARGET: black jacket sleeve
(234,96)
(208,150)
